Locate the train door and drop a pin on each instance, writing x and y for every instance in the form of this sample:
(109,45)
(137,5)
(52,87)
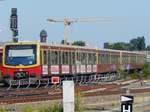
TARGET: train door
(83,62)
(44,62)
(72,62)
(65,68)
(55,62)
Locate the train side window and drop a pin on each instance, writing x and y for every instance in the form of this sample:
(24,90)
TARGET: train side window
(73,58)
(123,59)
(60,57)
(69,58)
(112,58)
(83,58)
(99,59)
(45,57)
(54,57)
(49,57)
(94,59)
(89,58)
(105,58)
(102,58)
(65,58)
(133,59)
(126,59)
(78,56)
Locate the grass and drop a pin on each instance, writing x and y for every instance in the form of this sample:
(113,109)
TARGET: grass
(52,108)
(49,108)
(3,110)
(78,105)
(28,108)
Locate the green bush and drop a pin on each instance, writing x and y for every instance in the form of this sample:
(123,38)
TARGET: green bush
(134,75)
(146,70)
(122,74)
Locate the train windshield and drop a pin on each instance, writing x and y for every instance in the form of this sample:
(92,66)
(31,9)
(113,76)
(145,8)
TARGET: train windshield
(20,55)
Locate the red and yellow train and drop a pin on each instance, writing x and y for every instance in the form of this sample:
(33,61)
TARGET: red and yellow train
(24,60)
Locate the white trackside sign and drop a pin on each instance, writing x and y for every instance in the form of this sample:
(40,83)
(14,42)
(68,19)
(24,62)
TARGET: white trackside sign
(125,99)
(126,103)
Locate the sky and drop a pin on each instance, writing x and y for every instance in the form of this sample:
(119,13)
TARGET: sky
(130,19)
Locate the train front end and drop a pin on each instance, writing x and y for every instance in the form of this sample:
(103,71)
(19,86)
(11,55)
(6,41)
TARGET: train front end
(21,61)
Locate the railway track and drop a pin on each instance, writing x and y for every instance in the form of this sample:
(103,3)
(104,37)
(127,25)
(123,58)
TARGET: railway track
(53,93)
(40,94)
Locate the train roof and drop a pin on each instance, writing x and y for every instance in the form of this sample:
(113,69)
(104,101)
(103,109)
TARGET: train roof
(72,46)
(88,47)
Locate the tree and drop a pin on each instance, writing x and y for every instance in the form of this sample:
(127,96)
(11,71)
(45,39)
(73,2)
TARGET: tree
(141,43)
(137,44)
(63,42)
(133,44)
(79,43)
(148,48)
(118,46)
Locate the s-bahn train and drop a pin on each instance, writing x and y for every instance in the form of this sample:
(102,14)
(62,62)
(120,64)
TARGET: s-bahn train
(42,61)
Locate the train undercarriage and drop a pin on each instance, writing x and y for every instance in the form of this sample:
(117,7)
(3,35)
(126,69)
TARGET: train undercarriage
(79,79)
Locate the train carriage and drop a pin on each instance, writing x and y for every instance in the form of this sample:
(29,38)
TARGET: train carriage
(25,60)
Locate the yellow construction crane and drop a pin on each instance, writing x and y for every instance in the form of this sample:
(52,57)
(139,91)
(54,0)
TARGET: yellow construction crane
(68,22)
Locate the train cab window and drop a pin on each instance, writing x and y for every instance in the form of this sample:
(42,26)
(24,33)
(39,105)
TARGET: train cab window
(54,57)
